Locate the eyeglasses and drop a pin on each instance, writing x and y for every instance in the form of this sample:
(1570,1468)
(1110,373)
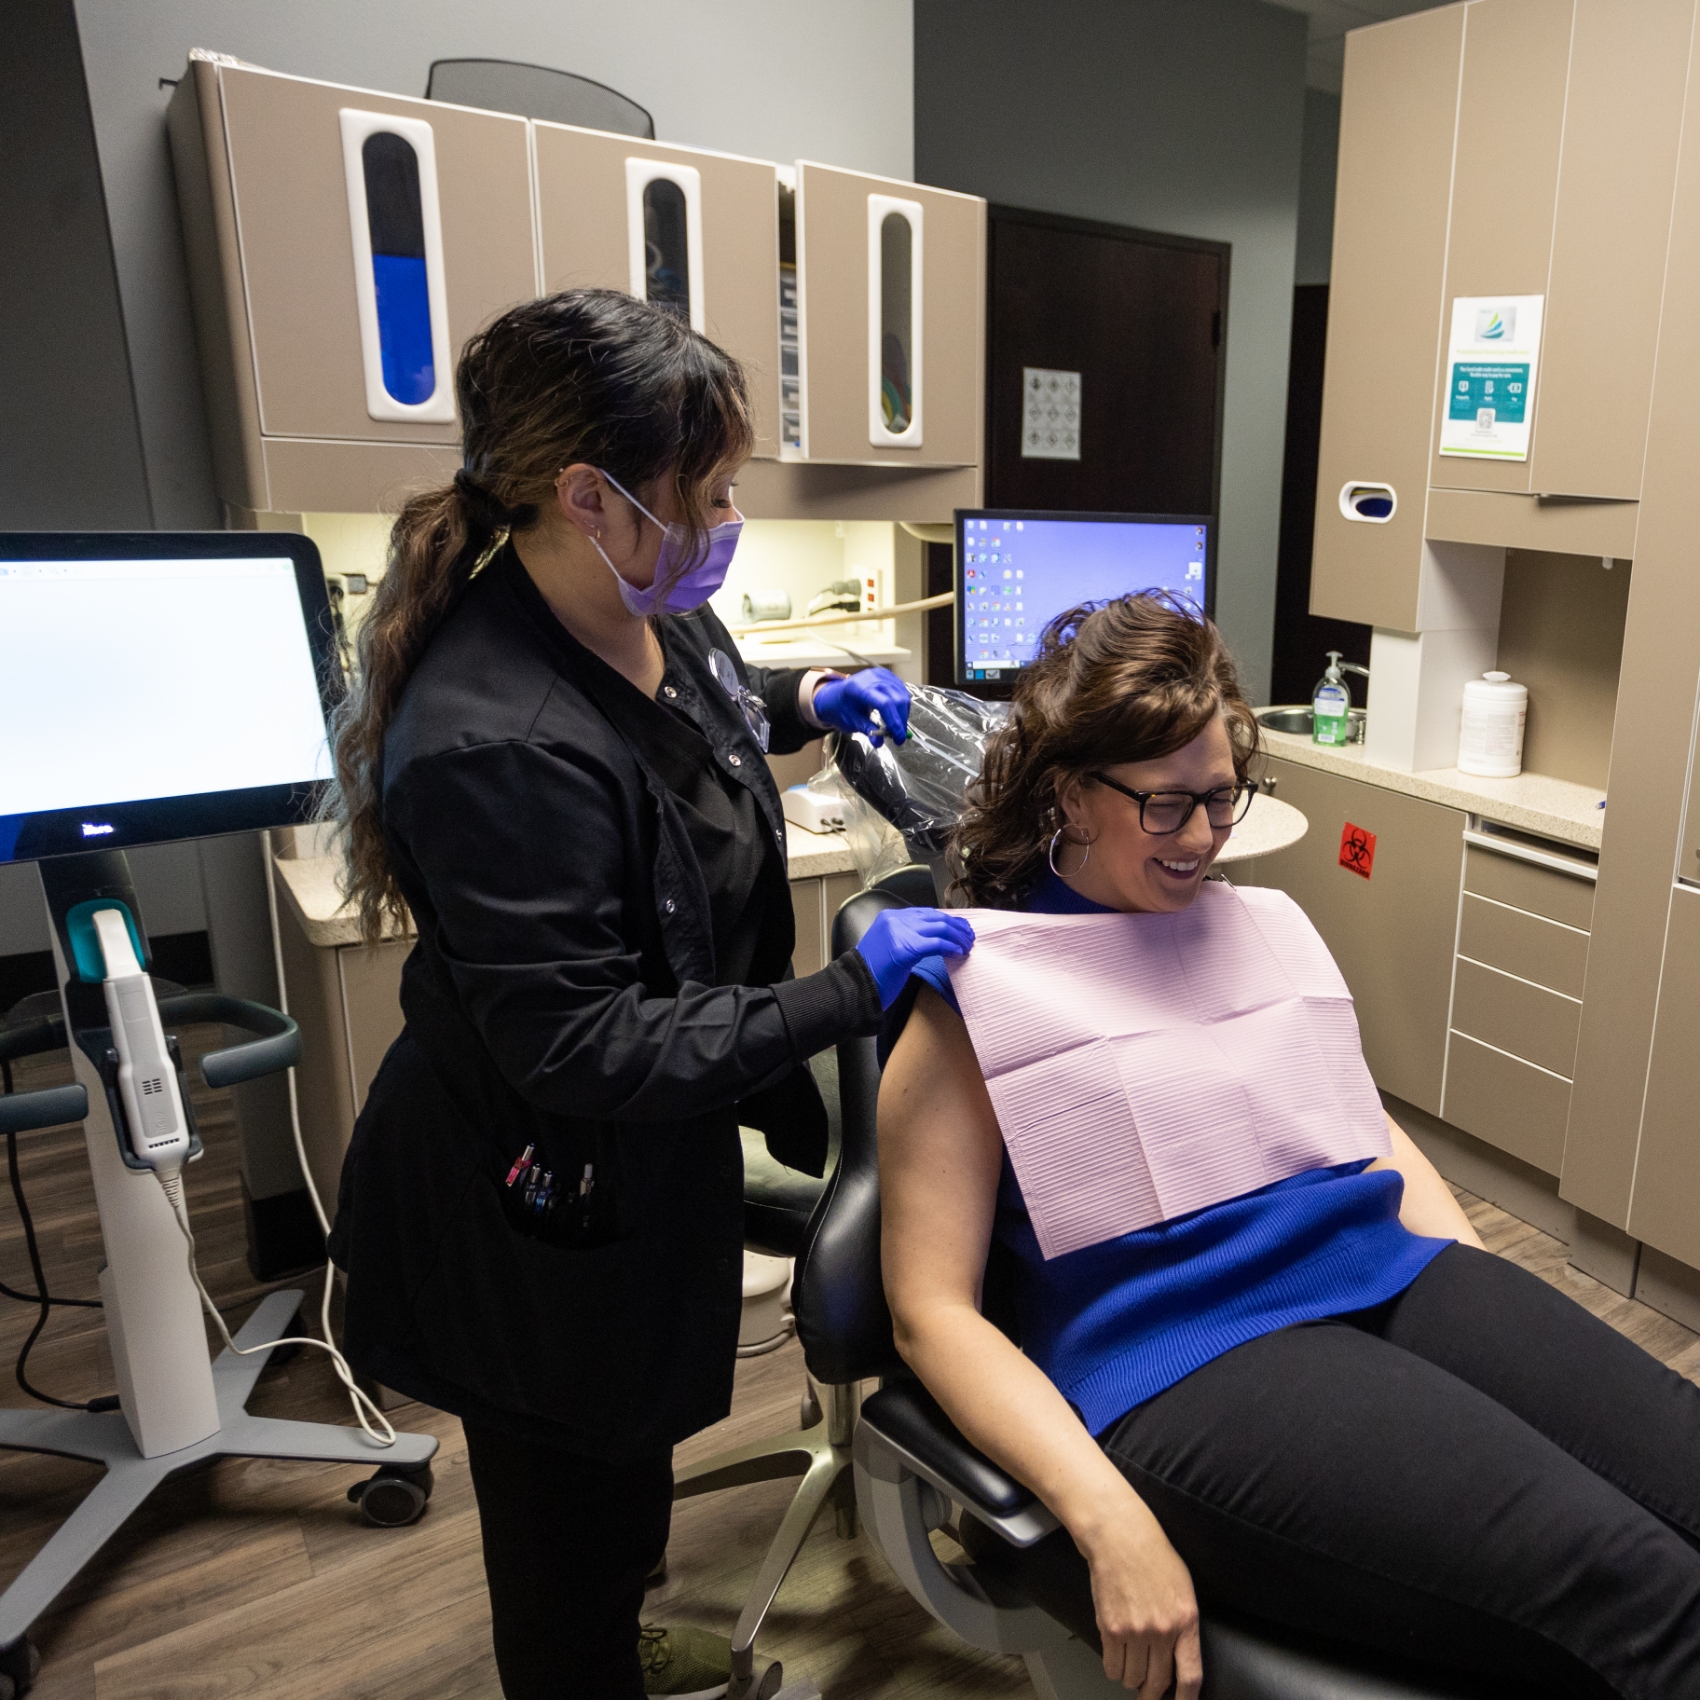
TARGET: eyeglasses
(1164,812)
(753,709)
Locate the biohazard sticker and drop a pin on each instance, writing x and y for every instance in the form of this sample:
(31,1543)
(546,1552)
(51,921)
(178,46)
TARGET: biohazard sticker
(1357,849)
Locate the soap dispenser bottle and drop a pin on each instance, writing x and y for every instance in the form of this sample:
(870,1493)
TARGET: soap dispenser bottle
(1331,706)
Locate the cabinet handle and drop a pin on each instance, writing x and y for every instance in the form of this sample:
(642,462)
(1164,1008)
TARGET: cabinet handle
(1528,853)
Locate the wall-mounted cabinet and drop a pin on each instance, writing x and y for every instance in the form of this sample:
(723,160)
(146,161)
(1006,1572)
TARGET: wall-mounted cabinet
(891,315)
(1493,149)
(343,246)
(695,231)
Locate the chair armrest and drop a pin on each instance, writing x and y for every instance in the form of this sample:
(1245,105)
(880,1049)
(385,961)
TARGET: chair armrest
(914,1433)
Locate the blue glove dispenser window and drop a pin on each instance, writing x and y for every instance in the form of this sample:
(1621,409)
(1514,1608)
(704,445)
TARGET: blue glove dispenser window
(397,225)
(396,230)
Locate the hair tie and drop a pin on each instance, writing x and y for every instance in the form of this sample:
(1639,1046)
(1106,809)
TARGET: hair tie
(486,510)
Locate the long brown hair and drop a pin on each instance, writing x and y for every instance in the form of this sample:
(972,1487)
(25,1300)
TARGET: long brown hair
(1134,679)
(588,375)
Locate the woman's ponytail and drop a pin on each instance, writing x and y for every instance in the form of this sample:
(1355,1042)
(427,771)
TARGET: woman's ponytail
(589,375)
(436,545)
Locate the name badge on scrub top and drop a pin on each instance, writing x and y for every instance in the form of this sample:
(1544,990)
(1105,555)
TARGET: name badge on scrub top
(1143,1067)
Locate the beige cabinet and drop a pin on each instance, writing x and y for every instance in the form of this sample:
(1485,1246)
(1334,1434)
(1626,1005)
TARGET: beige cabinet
(1391,934)
(343,246)
(1504,147)
(695,230)
(891,285)
(1664,1208)
(1524,923)
(1398,114)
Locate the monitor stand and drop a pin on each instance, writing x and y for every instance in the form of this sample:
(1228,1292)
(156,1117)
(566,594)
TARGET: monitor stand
(178,1407)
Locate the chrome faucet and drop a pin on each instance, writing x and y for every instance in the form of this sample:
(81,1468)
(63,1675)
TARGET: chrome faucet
(1353,667)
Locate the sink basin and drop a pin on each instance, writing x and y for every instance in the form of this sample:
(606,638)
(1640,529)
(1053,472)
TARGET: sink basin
(1298,720)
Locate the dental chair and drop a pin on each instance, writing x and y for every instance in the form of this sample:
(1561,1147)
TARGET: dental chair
(783,1211)
(1026,1590)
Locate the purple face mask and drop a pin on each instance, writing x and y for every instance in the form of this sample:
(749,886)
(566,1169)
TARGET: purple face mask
(676,591)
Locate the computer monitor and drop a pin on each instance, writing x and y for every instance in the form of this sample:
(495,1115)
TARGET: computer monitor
(159,685)
(1017,570)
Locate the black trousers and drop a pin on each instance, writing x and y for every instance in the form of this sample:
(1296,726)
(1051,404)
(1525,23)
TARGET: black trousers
(1479,1474)
(568,1542)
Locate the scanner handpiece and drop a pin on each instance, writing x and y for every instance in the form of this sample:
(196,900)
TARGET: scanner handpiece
(147,1080)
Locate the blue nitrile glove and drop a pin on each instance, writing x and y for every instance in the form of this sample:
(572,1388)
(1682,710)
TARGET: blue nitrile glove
(899,938)
(847,705)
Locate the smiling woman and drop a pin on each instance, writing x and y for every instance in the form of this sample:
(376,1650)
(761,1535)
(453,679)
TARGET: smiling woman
(1256,1351)
(1137,696)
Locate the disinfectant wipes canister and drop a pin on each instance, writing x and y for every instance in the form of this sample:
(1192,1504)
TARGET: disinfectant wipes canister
(1490,737)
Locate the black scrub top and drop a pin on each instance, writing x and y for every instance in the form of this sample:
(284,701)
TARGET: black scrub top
(720,814)
(602,972)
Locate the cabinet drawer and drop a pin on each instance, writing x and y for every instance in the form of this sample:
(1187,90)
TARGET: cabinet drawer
(1568,898)
(1513,1107)
(1523,944)
(1511,1015)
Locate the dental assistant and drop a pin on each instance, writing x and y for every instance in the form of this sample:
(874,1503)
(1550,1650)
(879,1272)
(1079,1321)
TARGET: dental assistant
(553,762)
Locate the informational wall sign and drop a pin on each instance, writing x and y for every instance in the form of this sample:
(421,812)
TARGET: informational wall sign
(1490,376)
(1050,414)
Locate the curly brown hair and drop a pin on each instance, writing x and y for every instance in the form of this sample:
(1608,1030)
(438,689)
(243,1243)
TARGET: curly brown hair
(1132,679)
(587,375)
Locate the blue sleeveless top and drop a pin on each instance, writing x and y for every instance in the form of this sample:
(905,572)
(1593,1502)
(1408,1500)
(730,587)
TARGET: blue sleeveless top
(1114,1324)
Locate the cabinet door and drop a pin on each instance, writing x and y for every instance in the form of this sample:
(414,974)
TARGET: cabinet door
(696,231)
(351,337)
(1616,181)
(1511,114)
(1664,1209)
(1392,934)
(1397,118)
(891,285)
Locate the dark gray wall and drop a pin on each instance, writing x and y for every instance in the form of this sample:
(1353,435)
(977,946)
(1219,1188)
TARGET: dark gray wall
(1316,186)
(1177,115)
(70,451)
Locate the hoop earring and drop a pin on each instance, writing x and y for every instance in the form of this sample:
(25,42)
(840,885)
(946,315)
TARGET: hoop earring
(1051,854)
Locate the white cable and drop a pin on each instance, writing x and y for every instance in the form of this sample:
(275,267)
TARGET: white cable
(172,1181)
(356,1397)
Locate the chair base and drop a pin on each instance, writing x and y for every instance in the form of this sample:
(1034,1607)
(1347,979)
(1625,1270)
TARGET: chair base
(818,1452)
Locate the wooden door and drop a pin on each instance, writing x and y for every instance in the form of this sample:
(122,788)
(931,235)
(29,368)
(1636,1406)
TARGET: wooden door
(711,249)
(1138,322)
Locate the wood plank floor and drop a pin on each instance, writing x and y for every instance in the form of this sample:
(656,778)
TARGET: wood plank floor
(255,1578)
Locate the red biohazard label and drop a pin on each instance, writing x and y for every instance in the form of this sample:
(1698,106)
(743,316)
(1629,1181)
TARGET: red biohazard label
(1357,849)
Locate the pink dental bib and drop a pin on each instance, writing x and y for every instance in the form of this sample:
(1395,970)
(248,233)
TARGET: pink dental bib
(1146,1066)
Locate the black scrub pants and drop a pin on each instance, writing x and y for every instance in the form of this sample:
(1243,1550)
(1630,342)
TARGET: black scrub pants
(568,1542)
(1479,1474)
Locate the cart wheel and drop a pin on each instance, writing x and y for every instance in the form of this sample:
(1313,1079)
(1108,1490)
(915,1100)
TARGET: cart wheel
(20,1665)
(392,1497)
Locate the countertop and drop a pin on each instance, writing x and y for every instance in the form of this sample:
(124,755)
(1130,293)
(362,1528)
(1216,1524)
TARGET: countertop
(1532,802)
(308,886)
(1269,825)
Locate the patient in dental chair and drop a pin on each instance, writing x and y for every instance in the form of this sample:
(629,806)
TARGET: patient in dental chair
(1263,1356)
